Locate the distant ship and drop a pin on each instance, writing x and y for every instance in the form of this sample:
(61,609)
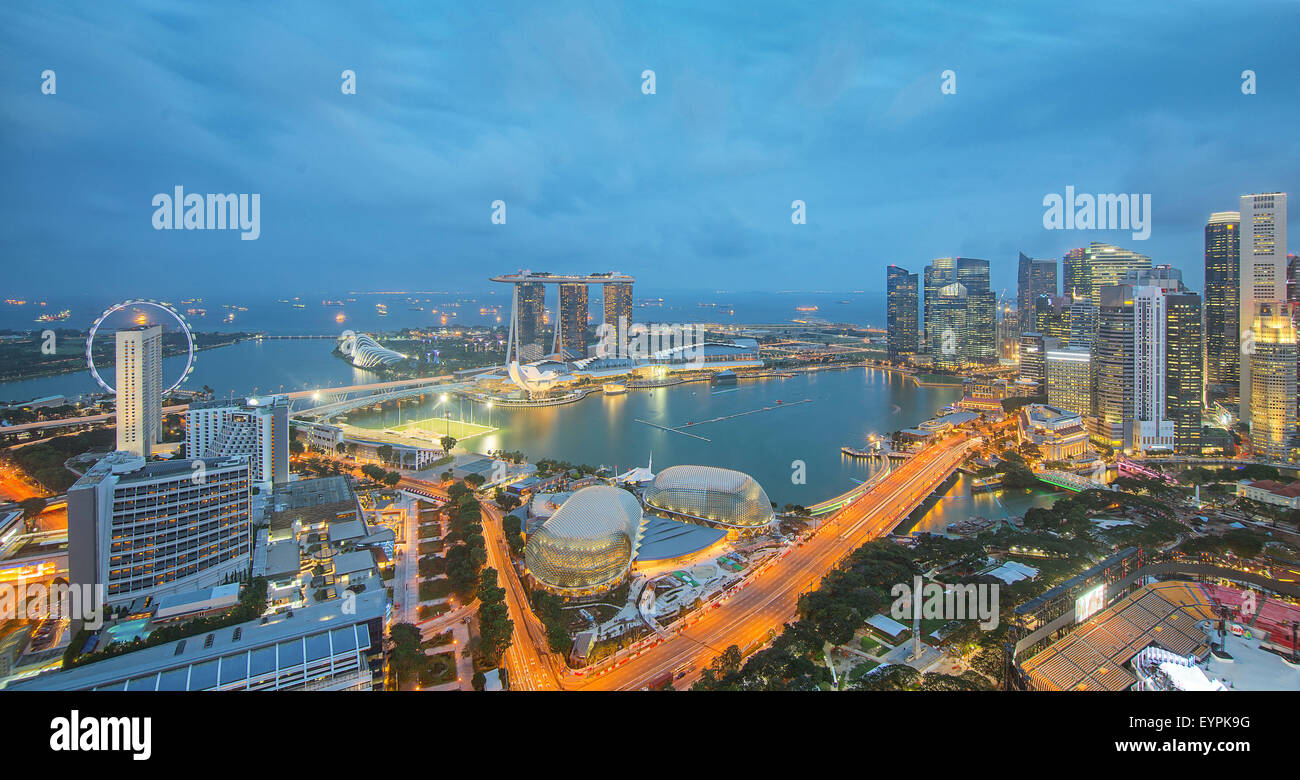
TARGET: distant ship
(805,308)
(60,317)
(381,310)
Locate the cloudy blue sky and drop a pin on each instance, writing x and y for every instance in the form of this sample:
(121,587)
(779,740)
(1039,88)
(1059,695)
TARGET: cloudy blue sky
(540,105)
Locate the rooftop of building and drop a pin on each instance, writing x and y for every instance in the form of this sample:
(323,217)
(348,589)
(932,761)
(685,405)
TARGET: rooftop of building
(131,468)
(1285,489)
(201,647)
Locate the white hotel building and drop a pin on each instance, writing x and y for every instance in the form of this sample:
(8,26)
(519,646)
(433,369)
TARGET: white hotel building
(148,529)
(257,428)
(139,389)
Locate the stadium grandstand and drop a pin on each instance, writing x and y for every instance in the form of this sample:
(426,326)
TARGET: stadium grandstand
(1095,656)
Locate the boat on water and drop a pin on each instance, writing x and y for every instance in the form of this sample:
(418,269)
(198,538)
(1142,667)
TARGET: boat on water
(60,317)
(614,388)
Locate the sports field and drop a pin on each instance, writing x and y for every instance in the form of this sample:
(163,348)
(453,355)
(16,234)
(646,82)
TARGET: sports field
(437,427)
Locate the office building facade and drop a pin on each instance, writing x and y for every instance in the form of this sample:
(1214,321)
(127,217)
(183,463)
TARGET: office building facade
(1069,380)
(1261,273)
(1222,304)
(1272,361)
(144,529)
(902,305)
(1034,278)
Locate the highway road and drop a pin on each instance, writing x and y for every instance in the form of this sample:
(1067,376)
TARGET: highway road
(769,598)
(749,616)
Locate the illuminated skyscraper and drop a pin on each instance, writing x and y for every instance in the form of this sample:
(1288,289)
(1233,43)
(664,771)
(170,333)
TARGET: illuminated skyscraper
(1183,362)
(532,323)
(1069,380)
(1222,303)
(1261,270)
(1083,323)
(1106,264)
(573,320)
(1074,279)
(1113,364)
(981,310)
(139,389)
(939,274)
(618,304)
(1272,360)
(902,312)
(950,310)
(1033,278)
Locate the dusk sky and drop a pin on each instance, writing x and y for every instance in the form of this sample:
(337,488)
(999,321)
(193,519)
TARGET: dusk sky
(541,106)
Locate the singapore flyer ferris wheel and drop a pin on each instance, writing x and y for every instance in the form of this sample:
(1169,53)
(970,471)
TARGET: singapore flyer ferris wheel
(162,307)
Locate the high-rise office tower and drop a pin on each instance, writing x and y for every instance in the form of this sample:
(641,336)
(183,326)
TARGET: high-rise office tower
(1075,277)
(531,299)
(256,428)
(144,529)
(1033,278)
(1151,427)
(1051,316)
(1106,264)
(573,320)
(1008,331)
(940,273)
(1183,364)
(1261,270)
(902,312)
(1113,365)
(1222,304)
(1083,323)
(139,389)
(1033,353)
(1069,379)
(979,339)
(618,304)
(1272,361)
(951,345)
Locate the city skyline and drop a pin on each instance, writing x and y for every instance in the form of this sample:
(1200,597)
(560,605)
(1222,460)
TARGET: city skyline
(693,184)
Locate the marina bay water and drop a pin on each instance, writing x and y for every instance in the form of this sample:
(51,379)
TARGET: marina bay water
(761,427)
(741,426)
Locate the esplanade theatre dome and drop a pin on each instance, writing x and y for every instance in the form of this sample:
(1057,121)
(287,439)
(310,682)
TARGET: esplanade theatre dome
(712,495)
(589,543)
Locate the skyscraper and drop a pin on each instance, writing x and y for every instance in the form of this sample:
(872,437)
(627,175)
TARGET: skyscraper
(1033,278)
(1150,427)
(618,304)
(951,346)
(981,310)
(1083,323)
(573,320)
(1106,264)
(939,274)
(139,389)
(1261,270)
(532,328)
(1183,361)
(1074,280)
(902,312)
(1113,365)
(1222,303)
(1069,380)
(1051,316)
(1272,360)
(1033,352)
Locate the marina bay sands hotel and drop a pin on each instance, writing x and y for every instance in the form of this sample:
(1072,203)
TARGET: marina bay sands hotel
(528,305)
